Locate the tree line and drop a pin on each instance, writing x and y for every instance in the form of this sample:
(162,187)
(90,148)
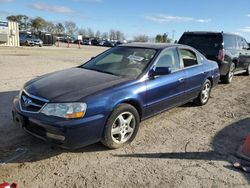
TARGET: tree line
(70,28)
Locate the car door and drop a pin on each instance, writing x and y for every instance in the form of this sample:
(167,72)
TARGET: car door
(244,53)
(194,72)
(165,91)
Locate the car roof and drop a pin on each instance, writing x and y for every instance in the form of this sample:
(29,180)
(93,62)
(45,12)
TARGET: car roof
(157,46)
(210,32)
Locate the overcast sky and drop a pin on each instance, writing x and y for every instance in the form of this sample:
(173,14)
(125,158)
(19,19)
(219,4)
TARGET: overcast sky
(134,17)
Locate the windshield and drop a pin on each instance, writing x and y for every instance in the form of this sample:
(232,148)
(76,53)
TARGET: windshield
(208,44)
(122,61)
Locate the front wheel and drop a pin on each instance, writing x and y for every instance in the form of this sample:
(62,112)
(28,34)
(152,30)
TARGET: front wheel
(204,95)
(227,79)
(121,127)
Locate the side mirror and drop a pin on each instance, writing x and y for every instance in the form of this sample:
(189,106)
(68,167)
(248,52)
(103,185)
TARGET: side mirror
(159,71)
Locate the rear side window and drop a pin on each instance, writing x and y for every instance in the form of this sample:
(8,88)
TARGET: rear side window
(230,42)
(242,43)
(189,57)
(207,44)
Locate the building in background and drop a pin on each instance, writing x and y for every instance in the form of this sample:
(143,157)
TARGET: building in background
(9,34)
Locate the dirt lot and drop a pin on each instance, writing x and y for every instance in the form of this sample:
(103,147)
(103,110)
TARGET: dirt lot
(188,146)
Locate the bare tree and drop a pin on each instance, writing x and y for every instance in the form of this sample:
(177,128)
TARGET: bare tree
(119,35)
(112,35)
(105,35)
(90,32)
(50,27)
(82,32)
(98,34)
(59,28)
(70,28)
(141,38)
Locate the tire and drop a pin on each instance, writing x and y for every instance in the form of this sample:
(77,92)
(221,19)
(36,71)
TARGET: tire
(227,79)
(248,70)
(122,126)
(204,95)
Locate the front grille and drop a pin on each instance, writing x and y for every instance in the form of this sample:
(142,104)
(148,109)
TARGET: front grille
(31,103)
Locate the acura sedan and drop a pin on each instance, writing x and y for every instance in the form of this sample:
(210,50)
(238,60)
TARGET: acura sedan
(106,98)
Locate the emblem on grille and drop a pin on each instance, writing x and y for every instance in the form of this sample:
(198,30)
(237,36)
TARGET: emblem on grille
(27,101)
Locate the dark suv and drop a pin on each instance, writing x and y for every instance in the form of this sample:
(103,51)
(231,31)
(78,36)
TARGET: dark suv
(231,51)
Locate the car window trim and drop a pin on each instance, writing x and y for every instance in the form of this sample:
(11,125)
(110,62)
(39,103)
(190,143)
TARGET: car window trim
(162,51)
(187,48)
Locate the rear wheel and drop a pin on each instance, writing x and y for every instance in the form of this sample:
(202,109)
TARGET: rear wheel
(121,127)
(227,79)
(204,95)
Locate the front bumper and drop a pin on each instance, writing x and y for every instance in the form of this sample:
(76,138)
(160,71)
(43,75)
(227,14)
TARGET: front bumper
(68,134)
(216,79)
(37,43)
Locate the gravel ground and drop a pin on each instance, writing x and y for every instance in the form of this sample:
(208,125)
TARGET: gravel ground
(188,146)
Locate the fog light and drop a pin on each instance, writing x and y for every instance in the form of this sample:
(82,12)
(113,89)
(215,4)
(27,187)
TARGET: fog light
(55,136)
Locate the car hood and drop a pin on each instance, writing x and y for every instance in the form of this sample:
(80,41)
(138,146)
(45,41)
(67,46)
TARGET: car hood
(71,84)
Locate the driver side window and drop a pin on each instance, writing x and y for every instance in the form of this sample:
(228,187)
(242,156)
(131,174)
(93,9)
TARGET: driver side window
(169,58)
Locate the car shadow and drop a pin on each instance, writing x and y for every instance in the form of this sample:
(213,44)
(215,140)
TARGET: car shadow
(17,146)
(225,144)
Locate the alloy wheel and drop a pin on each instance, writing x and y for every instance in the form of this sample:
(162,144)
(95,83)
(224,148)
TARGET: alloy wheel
(231,72)
(123,127)
(205,92)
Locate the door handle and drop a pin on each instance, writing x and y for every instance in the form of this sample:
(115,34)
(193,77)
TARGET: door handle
(181,79)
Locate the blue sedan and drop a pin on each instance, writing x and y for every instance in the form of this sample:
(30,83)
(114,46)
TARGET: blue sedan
(106,98)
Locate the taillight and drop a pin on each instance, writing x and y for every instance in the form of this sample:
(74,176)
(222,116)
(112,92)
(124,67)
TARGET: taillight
(221,55)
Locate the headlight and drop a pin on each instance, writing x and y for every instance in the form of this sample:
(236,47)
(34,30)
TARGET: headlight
(65,110)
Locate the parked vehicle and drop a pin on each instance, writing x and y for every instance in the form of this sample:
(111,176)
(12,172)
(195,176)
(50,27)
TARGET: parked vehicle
(101,42)
(77,41)
(95,42)
(106,98)
(108,44)
(30,40)
(118,43)
(67,39)
(231,51)
(86,42)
